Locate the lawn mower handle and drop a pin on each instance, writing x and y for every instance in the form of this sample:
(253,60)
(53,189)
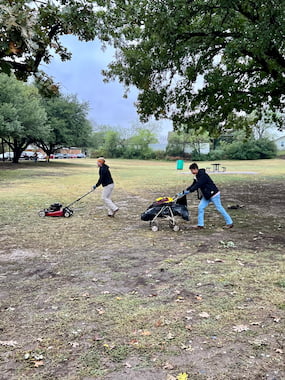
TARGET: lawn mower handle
(84,195)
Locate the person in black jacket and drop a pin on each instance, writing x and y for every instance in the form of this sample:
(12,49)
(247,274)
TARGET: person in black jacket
(208,193)
(106,180)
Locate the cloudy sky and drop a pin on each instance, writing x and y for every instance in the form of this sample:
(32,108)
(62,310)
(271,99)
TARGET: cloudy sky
(82,76)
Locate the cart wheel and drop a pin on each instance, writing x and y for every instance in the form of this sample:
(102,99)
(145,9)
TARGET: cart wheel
(176,228)
(42,213)
(67,214)
(154,226)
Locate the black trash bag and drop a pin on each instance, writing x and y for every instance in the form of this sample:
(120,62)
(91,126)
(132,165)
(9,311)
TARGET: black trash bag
(179,209)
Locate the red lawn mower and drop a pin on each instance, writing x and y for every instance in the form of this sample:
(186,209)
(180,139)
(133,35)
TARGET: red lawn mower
(56,209)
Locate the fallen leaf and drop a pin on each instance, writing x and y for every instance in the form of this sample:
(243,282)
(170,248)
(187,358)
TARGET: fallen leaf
(37,356)
(74,344)
(168,366)
(170,377)
(204,315)
(38,363)
(240,328)
(170,336)
(145,333)
(186,348)
(97,338)
(11,343)
(182,376)
(279,351)
(134,342)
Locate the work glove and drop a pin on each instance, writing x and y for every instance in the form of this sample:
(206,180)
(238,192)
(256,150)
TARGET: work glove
(184,192)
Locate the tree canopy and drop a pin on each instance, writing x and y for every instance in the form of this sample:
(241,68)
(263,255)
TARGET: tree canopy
(31,30)
(198,61)
(23,119)
(68,122)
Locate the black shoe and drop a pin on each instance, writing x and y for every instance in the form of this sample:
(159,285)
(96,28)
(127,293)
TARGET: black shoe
(197,227)
(115,212)
(228,226)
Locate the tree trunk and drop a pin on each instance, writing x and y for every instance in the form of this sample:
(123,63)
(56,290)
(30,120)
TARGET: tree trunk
(17,155)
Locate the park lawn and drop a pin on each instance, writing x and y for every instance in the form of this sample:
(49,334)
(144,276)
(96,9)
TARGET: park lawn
(87,297)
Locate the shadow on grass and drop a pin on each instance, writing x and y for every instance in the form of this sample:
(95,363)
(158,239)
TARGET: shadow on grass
(43,164)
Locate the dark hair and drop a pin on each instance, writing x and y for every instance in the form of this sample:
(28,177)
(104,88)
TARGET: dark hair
(193,166)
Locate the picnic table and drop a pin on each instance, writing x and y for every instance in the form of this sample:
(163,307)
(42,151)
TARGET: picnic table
(216,167)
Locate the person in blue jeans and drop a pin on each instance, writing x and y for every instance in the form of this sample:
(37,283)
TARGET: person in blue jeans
(207,192)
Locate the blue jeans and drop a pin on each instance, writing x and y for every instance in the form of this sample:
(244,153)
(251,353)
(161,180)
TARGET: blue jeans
(216,199)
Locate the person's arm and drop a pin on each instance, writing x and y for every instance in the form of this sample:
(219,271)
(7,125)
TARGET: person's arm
(187,191)
(101,174)
(197,184)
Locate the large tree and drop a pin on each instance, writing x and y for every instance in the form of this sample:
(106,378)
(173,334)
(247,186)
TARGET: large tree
(198,61)
(69,125)
(23,119)
(30,33)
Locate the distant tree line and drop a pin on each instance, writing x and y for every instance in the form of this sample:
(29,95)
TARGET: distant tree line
(53,122)
(236,145)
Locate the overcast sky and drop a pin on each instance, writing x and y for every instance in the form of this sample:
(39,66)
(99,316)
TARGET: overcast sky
(82,76)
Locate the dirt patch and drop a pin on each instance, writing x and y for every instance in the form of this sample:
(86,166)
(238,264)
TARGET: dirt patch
(92,298)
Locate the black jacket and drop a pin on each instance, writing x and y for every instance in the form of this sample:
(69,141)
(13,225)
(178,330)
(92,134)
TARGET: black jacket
(205,184)
(105,177)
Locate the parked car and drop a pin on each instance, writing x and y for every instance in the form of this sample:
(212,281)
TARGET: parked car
(41,156)
(58,155)
(7,156)
(27,155)
(81,155)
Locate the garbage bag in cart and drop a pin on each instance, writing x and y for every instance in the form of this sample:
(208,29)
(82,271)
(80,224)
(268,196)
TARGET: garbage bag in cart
(167,208)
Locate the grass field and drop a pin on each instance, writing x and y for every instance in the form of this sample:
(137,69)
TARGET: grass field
(89,297)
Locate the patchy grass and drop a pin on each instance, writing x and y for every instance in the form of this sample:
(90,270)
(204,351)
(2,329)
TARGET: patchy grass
(92,298)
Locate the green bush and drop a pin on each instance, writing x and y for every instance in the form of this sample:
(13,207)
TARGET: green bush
(218,154)
(160,154)
(251,150)
(196,156)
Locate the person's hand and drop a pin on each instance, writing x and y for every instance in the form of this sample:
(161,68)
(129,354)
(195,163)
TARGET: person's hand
(184,192)
(93,187)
